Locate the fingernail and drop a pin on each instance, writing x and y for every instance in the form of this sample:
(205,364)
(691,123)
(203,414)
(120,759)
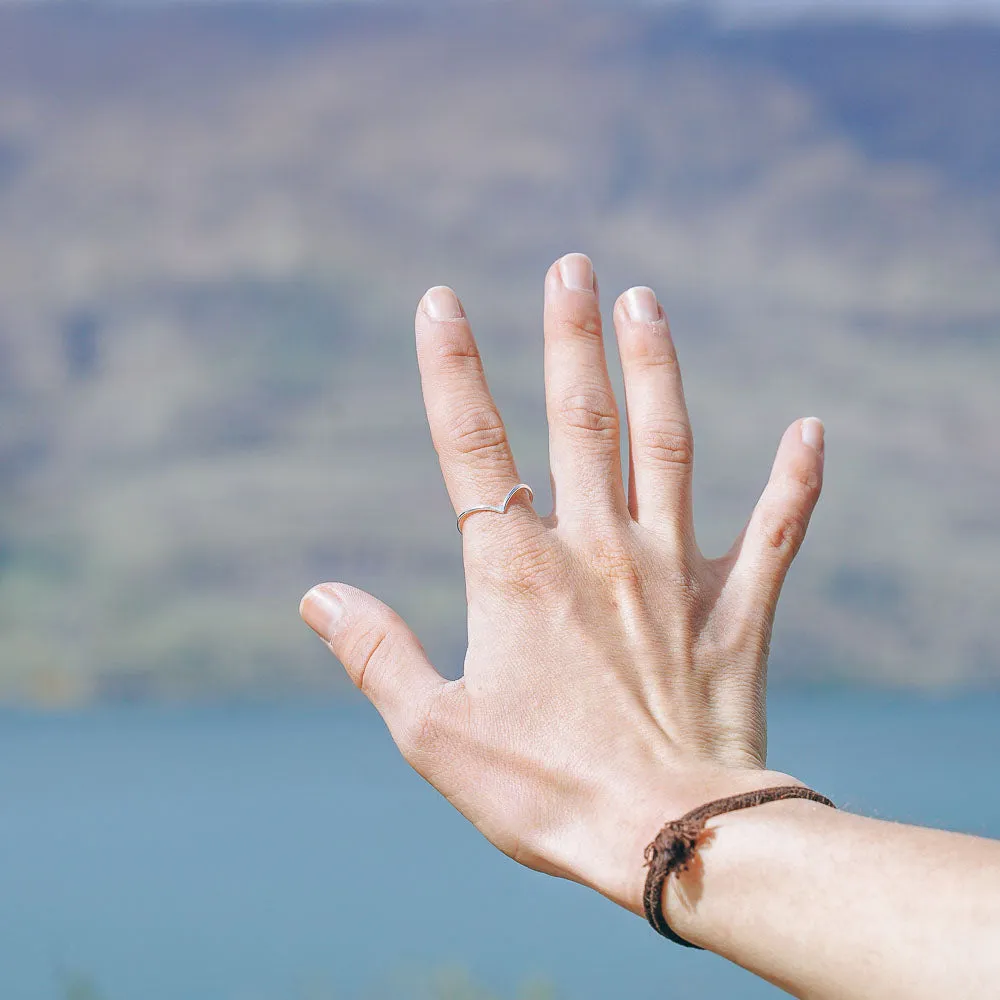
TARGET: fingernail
(441,302)
(321,611)
(812,433)
(642,305)
(577,272)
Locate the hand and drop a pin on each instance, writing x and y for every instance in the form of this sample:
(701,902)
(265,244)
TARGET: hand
(614,677)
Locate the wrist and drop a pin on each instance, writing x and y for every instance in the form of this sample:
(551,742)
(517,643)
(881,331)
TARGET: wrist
(622,878)
(740,862)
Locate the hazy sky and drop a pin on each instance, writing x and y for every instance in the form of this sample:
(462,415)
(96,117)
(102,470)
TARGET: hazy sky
(907,9)
(756,9)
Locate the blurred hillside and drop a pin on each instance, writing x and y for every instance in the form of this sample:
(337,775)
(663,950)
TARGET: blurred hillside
(215,224)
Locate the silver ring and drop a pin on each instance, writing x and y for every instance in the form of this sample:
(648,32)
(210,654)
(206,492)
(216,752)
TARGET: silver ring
(502,509)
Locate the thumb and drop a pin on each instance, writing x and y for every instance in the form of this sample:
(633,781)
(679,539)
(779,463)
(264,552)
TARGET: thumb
(772,538)
(380,652)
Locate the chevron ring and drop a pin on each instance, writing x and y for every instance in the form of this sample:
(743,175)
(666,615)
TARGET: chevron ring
(502,509)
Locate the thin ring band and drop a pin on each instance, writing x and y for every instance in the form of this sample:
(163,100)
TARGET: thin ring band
(502,509)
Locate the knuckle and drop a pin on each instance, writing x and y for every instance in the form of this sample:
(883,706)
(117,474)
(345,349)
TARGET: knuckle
(687,594)
(532,568)
(670,442)
(367,650)
(784,532)
(652,351)
(455,351)
(785,519)
(584,326)
(478,431)
(591,412)
(805,480)
(428,728)
(614,561)
(420,732)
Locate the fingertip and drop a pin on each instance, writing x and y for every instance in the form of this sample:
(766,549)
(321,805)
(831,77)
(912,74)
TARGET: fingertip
(322,609)
(642,329)
(576,272)
(800,452)
(797,474)
(441,304)
(813,434)
(640,305)
(573,272)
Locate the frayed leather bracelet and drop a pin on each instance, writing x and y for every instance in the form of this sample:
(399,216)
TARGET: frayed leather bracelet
(675,845)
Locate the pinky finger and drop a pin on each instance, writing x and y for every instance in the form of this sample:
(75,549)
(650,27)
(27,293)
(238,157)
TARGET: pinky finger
(762,555)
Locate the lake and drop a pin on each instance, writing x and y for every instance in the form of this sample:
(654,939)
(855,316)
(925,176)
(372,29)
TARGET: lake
(286,852)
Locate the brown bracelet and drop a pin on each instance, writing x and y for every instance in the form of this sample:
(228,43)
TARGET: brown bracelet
(674,847)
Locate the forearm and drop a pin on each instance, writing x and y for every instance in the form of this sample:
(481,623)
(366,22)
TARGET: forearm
(613,672)
(826,904)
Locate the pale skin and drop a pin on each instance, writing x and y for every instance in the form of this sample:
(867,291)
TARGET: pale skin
(615,676)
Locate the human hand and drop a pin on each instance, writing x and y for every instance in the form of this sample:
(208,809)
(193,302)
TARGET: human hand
(615,677)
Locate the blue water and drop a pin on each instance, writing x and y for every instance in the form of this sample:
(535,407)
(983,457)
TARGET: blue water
(284,852)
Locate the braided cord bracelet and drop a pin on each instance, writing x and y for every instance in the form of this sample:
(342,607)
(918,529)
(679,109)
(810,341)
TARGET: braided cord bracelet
(674,848)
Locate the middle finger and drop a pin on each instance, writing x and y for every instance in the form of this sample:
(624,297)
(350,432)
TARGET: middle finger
(584,438)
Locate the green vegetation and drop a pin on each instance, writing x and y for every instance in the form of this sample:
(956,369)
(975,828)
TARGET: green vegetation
(214,227)
(78,987)
(456,984)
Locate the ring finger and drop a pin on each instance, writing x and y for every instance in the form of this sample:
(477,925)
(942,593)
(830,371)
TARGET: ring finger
(468,433)
(660,442)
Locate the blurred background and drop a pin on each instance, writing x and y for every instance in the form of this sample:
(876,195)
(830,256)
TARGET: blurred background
(215,224)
